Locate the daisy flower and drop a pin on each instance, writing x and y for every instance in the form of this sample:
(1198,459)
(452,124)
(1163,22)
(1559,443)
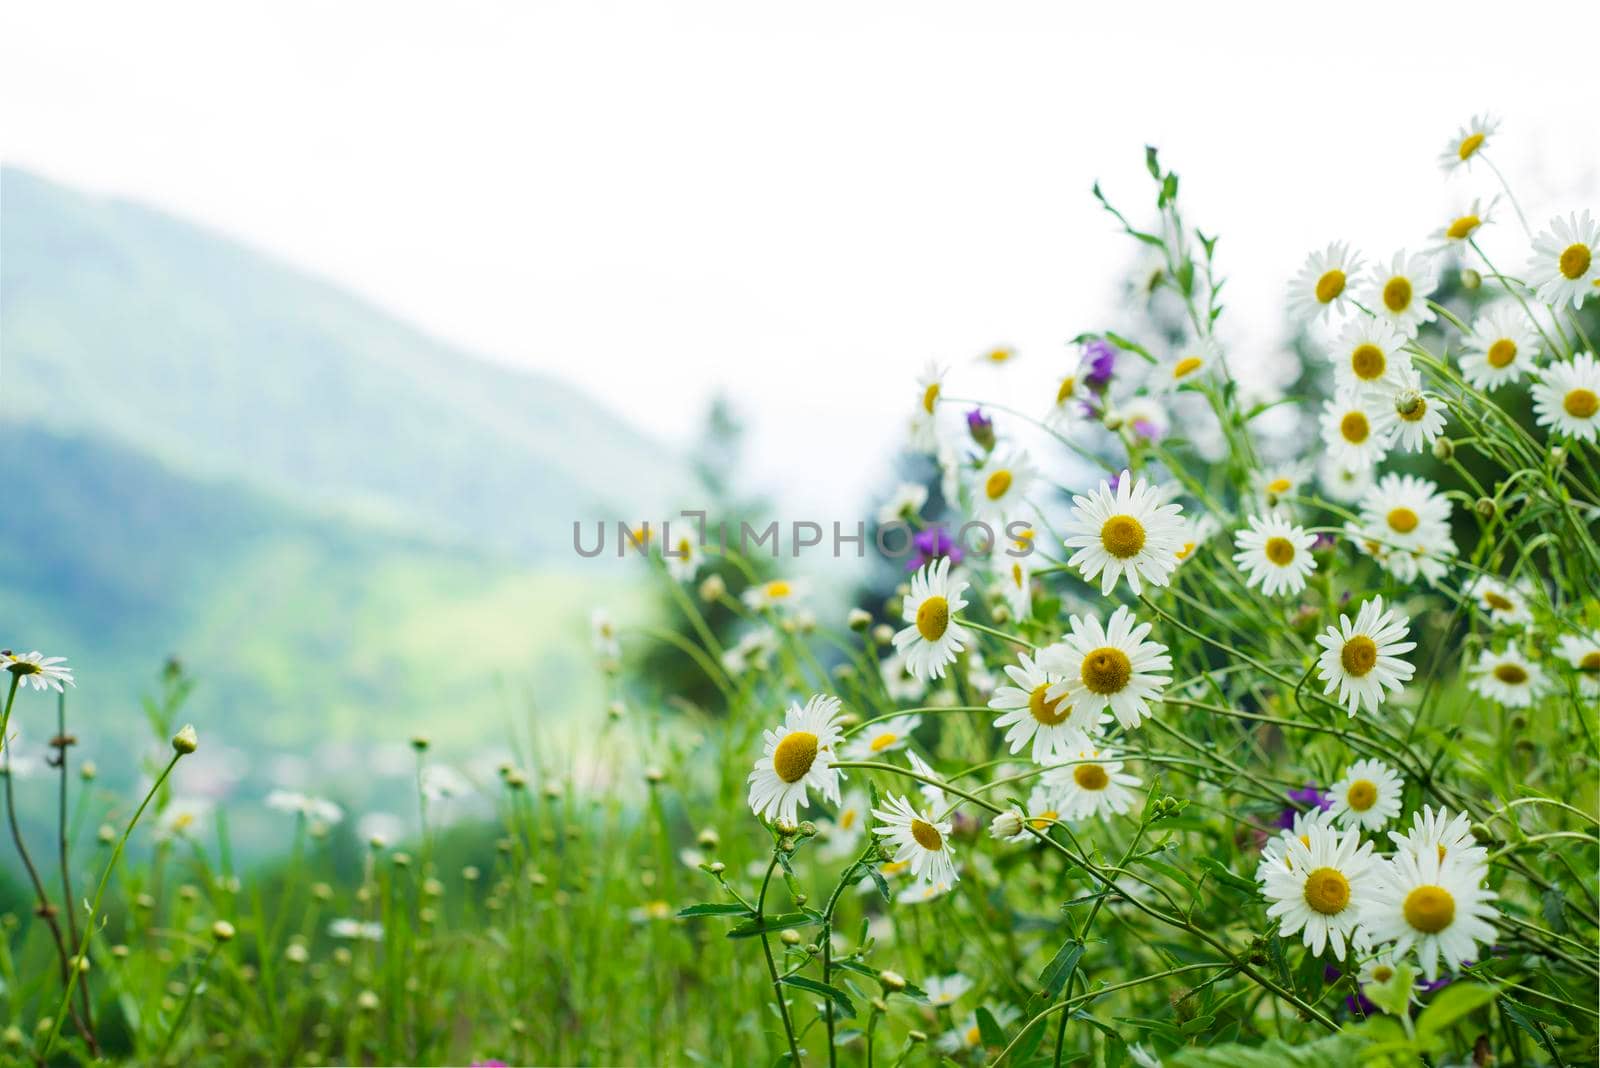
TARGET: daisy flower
(919,839)
(1108,667)
(355,930)
(884,737)
(843,834)
(1071,393)
(920,893)
(1031,717)
(1323,284)
(1507,677)
(924,424)
(945,990)
(183,817)
(1467,143)
(1341,481)
(1368,796)
(1400,293)
(1319,892)
(998,356)
(1463,226)
(968,1036)
(934,637)
(1190,364)
(1440,908)
(684,559)
(1197,530)
(1411,518)
(1502,345)
(1275,854)
(1142,416)
(1505,605)
(1436,833)
(1409,417)
(904,503)
(898,682)
(797,758)
(1582,651)
(1127,532)
(1378,968)
(1370,353)
(1565,263)
(774,593)
(1362,659)
(40,672)
(1000,484)
(1093,784)
(318,809)
(1016,585)
(1348,431)
(1044,812)
(1282,480)
(1567,398)
(1275,555)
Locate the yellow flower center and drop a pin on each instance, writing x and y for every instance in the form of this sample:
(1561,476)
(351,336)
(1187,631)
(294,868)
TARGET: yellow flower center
(895,867)
(1043,710)
(997,484)
(884,741)
(930,397)
(1511,674)
(1501,353)
(1581,403)
(933,618)
(1469,145)
(1590,662)
(1068,384)
(1044,819)
(973,1035)
(1382,973)
(794,756)
(1330,285)
(1000,355)
(1280,485)
(1353,427)
(1183,553)
(1359,655)
(1397,294)
(778,589)
(847,819)
(1016,575)
(1362,795)
(1414,411)
(1430,909)
(1497,602)
(23,667)
(1106,671)
(1462,228)
(1368,362)
(927,835)
(1403,520)
(1186,366)
(1091,776)
(1279,550)
(1575,260)
(1122,536)
(1327,891)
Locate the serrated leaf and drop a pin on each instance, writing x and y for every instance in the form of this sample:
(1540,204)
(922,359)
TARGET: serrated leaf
(715,908)
(832,993)
(773,923)
(1056,973)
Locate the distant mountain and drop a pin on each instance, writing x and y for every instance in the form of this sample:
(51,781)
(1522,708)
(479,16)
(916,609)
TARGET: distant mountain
(134,326)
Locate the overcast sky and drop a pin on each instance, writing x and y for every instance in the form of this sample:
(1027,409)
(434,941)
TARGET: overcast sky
(799,204)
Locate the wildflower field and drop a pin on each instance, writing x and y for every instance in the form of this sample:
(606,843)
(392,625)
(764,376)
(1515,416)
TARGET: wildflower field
(1195,726)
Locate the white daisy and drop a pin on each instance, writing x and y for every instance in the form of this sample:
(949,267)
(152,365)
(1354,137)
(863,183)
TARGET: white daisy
(1367,796)
(1567,398)
(1275,555)
(184,817)
(1505,604)
(441,782)
(1093,784)
(1190,363)
(898,682)
(684,558)
(998,356)
(1410,417)
(1439,908)
(1370,353)
(919,838)
(603,629)
(316,809)
(935,636)
(1436,833)
(797,758)
(1140,416)
(1071,393)
(40,672)
(1319,892)
(904,503)
(1502,345)
(924,423)
(1349,432)
(1044,812)
(1341,481)
(1000,485)
(775,593)
(842,834)
(1507,677)
(920,892)
(1282,480)
(1016,584)
(1400,293)
(1030,716)
(1467,143)
(967,1036)
(1411,519)
(884,737)
(1127,532)
(1582,651)
(1566,261)
(752,652)
(350,930)
(1197,530)
(1463,226)
(1362,659)
(1323,284)
(945,990)
(1378,968)
(1274,854)
(1107,667)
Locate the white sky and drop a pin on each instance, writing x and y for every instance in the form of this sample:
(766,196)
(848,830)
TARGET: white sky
(800,203)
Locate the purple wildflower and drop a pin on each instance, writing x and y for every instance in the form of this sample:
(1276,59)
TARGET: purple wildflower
(931,544)
(1310,797)
(1102,359)
(981,427)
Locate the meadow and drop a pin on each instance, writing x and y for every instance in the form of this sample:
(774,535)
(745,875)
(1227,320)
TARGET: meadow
(1262,732)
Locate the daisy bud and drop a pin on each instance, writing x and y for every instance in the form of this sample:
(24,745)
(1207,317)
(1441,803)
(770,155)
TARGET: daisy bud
(120,952)
(892,981)
(401,860)
(1558,455)
(322,891)
(107,834)
(1470,279)
(708,838)
(785,827)
(1442,448)
(367,1001)
(807,829)
(1006,825)
(882,634)
(713,588)
(615,710)
(1112,420)
(1001,614)
(858,619)
(800,899)
(87,771)
(186,741)
(470,873)
(144,901)
(1481,833)
(295,953)
(717,867)
(420,742)
(879,1005)
(654,776)
(845,672)
(1408,402)
(1485,507)
(981,427)
(189,892)
(222,931)
(14,1037)
(516,780)
(787,843)
(790,938)
(916,1037)
(45,1025)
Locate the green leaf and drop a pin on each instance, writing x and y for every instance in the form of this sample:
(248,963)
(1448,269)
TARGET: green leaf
(1393,996)
(773,923)
(832,993)
(715,908)
(1554,907)
(1151,162)
(1220,872)
(1453,1003)
(1342,1048)
(989,1032)
(1056,973)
